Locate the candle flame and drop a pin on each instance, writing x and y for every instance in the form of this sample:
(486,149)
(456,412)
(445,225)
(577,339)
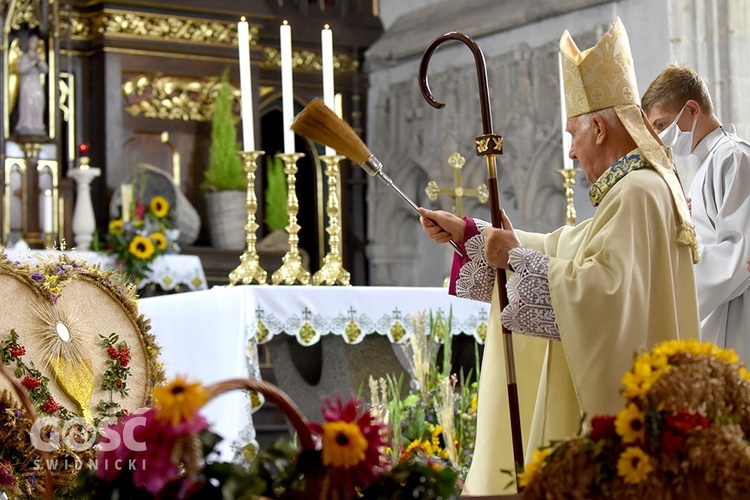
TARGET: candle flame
(284,22)
(326,27)
(242,19)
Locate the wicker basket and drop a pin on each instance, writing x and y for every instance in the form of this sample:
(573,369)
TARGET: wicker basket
(273,394)
(226,218)
(23,397)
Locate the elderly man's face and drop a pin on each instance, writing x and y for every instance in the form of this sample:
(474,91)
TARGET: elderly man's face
(583,147)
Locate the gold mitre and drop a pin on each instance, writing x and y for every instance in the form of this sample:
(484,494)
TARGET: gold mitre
(599,77)
(603,77)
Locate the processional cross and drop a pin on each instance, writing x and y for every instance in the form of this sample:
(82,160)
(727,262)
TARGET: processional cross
(457,192)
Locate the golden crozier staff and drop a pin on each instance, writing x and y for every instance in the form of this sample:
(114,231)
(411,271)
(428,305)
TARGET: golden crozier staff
(488,145)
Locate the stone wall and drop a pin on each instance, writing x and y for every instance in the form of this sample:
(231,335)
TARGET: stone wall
(519,40)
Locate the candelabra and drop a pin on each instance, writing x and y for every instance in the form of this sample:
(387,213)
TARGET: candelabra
(333,271)
(84,222)
(249,270)
(291,270)
(568,175)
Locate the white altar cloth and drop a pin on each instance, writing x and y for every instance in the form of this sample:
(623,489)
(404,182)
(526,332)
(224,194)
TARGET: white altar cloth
(307,312)
(202,336)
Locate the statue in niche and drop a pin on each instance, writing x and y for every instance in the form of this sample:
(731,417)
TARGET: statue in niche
(31,96)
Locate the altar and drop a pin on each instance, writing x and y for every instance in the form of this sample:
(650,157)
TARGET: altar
(212,335)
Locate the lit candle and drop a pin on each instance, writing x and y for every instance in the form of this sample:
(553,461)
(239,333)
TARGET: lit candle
(126,199)
(326,40)
(567,160)
(287,91)
(47,214)
(246,87)
(83,156)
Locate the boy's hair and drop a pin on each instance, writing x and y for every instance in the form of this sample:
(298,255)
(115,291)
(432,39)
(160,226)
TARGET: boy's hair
(674,87)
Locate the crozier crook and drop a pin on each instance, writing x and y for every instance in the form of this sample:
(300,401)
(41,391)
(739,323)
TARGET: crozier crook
(488,145)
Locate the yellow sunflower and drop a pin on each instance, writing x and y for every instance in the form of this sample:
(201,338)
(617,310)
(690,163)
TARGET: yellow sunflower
(159,206)
(115,227)
(646,370)
(159,240)
(630,424)
(141,247)
(179,400)
(531,469)
(343,445)
(634,465)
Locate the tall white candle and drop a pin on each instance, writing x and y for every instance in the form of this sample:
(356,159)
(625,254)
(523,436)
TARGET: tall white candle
(126,200)
(287,90)
(246,87)
(47,214)
(326,40)
(566,139)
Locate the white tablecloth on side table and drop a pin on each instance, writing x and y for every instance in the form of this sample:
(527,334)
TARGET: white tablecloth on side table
(202,335)
(167,271)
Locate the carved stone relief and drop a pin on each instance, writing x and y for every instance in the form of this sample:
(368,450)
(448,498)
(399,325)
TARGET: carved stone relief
(414,142)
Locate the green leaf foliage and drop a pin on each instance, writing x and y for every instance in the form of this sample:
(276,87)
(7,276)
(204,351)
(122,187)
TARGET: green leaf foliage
(276,194)
(224,170)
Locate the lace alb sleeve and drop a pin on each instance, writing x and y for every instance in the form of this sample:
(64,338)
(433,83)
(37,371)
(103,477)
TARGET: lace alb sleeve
(529,310)
(476,278)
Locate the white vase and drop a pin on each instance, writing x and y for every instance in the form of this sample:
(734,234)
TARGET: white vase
(227,216)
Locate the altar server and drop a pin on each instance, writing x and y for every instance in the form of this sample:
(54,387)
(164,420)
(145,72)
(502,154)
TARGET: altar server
(679,106)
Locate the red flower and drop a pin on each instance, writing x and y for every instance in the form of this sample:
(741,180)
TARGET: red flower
(6,476)
(670,441)
(16,351)
(30,383)
(152,463)
(50,406)
(340,420)
(140,209)
(112,352)
(684,421)
(602,427)
(124,356)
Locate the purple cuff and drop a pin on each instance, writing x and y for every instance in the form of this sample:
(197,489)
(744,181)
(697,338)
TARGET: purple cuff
(459,261)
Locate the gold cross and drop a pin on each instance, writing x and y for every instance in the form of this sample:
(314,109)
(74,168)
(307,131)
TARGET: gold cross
(457,192)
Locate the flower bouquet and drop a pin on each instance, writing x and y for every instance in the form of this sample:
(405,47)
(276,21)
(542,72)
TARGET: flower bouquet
(138,241)
(164,452)
(683,431)
(437,418)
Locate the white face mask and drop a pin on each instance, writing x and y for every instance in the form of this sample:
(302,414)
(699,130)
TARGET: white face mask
(681,142)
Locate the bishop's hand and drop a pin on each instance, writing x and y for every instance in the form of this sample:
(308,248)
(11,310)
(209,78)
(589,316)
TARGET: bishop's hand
(498,242)
(442,226)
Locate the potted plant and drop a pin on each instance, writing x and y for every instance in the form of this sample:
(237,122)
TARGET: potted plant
(224,183)
(276,216)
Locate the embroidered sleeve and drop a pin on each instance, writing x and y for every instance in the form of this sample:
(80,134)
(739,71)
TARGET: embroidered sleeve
(529,310)
(475,278)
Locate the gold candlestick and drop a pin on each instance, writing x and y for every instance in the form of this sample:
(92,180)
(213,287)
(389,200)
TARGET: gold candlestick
(568,175)
(249,270)
(333,271)
(291,271)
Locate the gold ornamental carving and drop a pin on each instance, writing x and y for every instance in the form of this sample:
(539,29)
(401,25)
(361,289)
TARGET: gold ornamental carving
(25,13)
(172,98)
(158,27)
(306,60)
